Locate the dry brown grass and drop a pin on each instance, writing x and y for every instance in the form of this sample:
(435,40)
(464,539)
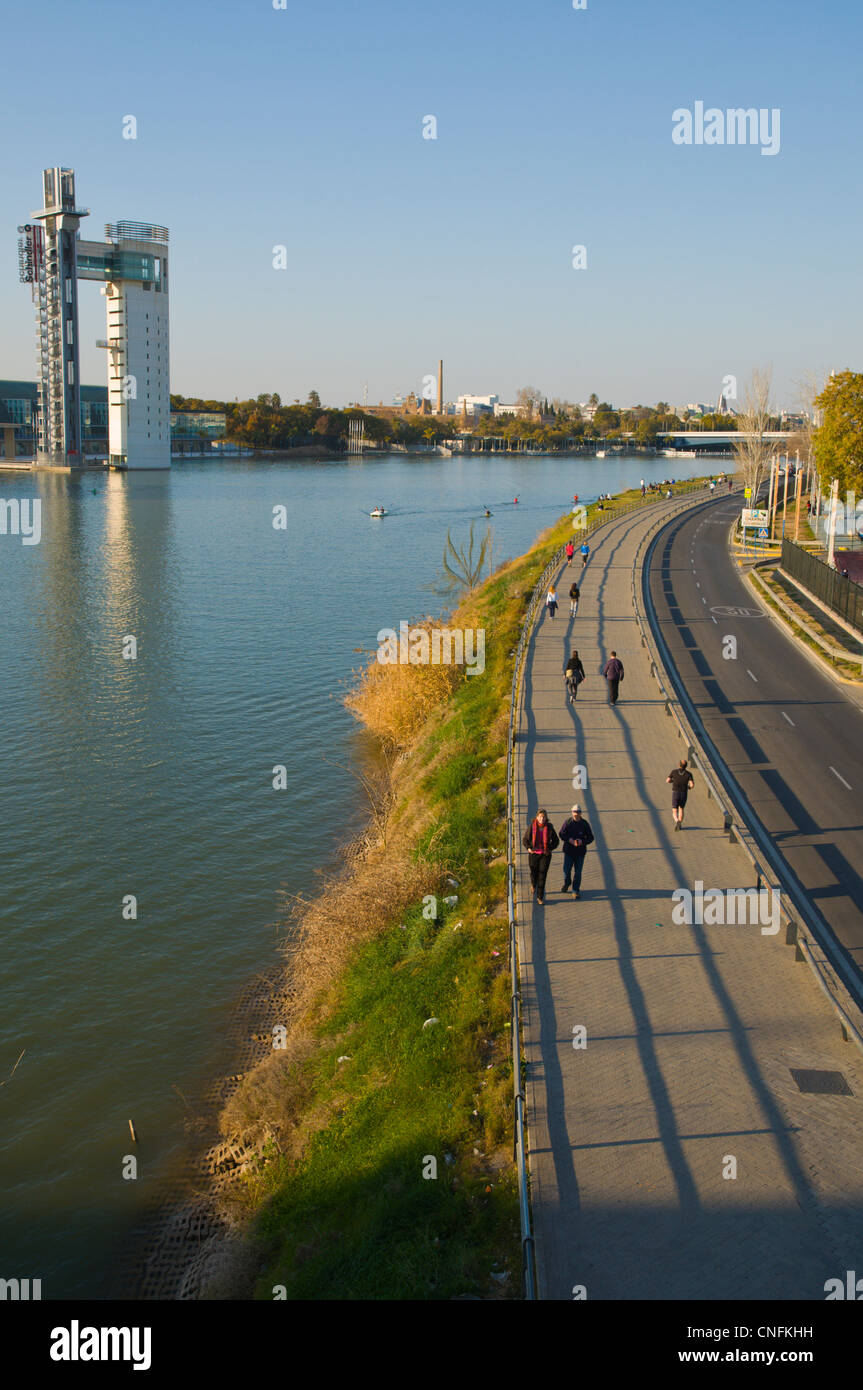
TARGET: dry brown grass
(395,700)
(332,926)
(272,1098)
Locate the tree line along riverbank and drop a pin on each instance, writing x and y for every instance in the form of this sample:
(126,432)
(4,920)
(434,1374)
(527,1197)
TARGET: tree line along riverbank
(384,1140)
(268,425)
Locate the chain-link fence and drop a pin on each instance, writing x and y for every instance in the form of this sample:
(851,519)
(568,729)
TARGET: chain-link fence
(843,596)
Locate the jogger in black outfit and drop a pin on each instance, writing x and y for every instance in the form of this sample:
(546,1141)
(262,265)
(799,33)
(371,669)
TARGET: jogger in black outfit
(681,783)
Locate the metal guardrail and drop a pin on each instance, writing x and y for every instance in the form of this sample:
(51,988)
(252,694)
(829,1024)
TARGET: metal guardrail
(805,928)
(520,1129)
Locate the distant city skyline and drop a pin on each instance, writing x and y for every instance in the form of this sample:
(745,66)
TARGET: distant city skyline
(516,205)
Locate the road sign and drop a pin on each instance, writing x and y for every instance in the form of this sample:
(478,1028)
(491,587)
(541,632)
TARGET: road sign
(755,516)
(762,534)
(747,492)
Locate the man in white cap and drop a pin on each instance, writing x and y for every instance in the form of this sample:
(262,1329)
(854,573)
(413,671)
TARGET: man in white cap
(575,836)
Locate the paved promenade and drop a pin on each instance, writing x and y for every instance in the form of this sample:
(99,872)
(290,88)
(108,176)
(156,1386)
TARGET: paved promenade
(692,1031)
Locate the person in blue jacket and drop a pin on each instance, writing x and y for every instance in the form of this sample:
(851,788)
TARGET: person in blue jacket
(575,836)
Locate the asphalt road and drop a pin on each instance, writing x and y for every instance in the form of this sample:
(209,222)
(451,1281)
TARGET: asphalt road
(790,735)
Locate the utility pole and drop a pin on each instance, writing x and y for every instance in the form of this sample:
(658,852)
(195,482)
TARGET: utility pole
(799,481)
(785,497)
(771,499)
(834,504)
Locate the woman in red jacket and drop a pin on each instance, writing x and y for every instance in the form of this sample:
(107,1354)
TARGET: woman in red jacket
(539,840)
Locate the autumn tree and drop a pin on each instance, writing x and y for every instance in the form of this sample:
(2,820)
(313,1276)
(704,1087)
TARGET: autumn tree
(838,439)
(752,450)
(529,396)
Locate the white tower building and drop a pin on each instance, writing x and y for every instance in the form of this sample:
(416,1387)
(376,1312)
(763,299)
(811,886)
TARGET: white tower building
(134,265)
(139,383)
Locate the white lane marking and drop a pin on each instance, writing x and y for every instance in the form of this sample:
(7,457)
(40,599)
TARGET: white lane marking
(841,778)
(716,620)
(749,673)
(704,600)
(697,585)
(790,721)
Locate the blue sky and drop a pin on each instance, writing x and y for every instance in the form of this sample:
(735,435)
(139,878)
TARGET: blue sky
(303,127)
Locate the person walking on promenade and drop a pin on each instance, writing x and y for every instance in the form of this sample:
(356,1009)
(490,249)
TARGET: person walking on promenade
(551,601)
(585,551)
(575,836)
(540,840)
(642,487)
(574,596)
(574,675)
(613,672)
(680,780)
(570,551)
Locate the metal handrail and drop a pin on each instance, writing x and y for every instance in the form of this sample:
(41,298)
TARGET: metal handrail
(519,1132)
(805,929)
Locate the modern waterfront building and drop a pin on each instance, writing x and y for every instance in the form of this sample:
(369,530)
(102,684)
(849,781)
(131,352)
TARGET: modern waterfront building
(192,432)
(198,432)
(132,266)
(19,408)
(471,406)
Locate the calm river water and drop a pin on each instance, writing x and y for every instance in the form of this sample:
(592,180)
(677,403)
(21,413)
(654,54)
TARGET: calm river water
(153,777)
